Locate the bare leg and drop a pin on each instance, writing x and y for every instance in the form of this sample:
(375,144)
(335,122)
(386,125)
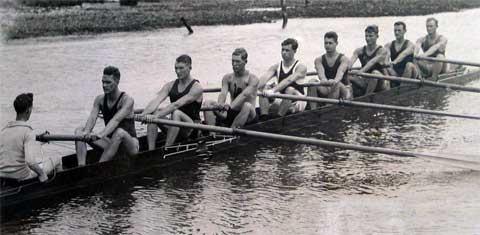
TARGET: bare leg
(313,92)
(120,137)
(172,132)
(80,148)
(209,116)
(286,104)
(152,134)
(264,105)
(372,85)
(334,91)
(438,68)
(244,116)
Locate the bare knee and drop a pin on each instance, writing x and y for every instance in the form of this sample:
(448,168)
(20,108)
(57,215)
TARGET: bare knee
(290,91)
(119,134)
(79,130)
(176,115)
(210,102)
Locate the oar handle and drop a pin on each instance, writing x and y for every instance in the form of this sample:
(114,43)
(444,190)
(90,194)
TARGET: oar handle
(47,137)
(450,61)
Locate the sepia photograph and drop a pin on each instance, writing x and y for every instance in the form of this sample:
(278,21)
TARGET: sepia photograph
(239,117)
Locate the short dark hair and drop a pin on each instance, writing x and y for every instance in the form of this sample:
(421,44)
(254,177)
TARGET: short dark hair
(432,19)
(23,102)
(241,52)
(291,41)
(184,59)
(332,35)
(111,70)
(372,29)
(401,23)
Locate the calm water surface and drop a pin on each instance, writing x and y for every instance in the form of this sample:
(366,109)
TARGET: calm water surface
(263,187)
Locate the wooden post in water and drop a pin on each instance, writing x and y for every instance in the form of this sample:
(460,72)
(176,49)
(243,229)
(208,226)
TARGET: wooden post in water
(284,14)
(184,21)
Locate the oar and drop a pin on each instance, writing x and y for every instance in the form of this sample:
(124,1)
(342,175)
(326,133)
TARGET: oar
(205,108)
(420,82)
(46,137)
(302,140)
(367,105)
(447,61)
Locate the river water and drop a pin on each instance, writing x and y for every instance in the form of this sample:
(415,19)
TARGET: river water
(265,187)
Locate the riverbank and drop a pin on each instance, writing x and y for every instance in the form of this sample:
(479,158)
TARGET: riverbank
(24,22)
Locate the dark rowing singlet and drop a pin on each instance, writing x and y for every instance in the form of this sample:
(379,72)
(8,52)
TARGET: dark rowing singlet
(426,46)
(127,124)
(236,91)
(364,58)
(282,75)
(331,72)
(193,109)
(400,67)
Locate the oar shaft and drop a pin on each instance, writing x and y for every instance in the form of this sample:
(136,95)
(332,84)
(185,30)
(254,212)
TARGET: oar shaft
(420,82)
(50,137)
(450,61)
(369,105)
(206,108)
(311,141)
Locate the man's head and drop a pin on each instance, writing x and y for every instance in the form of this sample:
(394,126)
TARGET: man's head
(183,65)
(239,59)
(110,79)
(399,29)
(289,48)
(371,34)
(432,25)
(330,41)
(23,104)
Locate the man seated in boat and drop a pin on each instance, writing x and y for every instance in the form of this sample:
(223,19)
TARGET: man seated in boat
(431,45)
(242,86)
(290,74)
(401,55)
(19,152)
(186,96)
(117,110)
(372,58)
(331,69)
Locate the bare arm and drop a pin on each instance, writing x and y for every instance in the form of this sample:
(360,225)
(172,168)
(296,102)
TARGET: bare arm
(267,76)
(31,150)
(408,51)
(222,97)
(125,110)
(299,73)
(379,57)
(195,93)
(320,69)
(442,44)
(354,57)
(249,91)
(342,69)
(152,106)
(92,118)
(418,46)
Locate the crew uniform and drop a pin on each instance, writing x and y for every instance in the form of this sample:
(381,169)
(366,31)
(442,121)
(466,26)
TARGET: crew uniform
(399,67)
(425,46)
(364,59)
(127,124)
(331,72)
(281,75)
(231,113)
(192,109)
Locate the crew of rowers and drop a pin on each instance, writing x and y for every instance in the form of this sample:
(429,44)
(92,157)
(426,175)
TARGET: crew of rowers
(186,96)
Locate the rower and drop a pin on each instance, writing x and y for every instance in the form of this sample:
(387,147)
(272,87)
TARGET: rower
(432,45)
(290,74)
(186,95)
(117,109)
(332,68)
(401,55)
(372,58)
(242,86)
(18,149)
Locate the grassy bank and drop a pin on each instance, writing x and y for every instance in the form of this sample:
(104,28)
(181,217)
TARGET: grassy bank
(20,21)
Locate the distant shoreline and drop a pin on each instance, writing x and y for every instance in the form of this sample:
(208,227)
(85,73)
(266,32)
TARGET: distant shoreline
(21,22)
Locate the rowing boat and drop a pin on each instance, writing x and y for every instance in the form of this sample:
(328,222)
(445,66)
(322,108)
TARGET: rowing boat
(24,194)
